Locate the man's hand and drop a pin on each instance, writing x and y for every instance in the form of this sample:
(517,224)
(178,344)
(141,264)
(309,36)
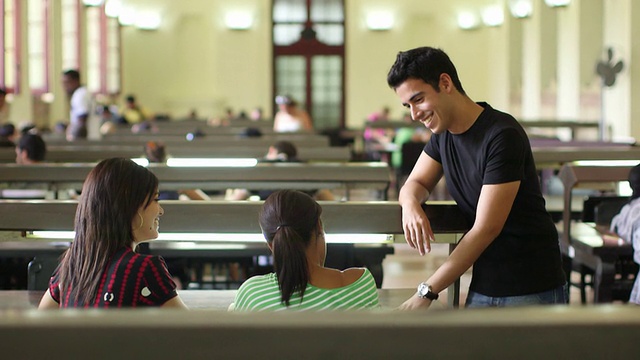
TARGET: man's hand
(415,303)
(417,228)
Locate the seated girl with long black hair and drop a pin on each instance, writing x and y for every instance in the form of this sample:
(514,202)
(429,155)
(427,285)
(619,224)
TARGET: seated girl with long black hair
(117,210)
(291,224)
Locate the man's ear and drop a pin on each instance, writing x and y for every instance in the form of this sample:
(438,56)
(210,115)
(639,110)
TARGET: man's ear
(446,84)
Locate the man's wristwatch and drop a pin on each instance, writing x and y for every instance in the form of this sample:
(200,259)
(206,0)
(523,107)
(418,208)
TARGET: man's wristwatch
(425,292)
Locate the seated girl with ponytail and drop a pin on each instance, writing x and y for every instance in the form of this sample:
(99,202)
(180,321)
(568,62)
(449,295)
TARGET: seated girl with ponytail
(291,224)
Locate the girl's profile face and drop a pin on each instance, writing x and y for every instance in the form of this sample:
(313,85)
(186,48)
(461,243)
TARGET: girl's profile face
(146,222)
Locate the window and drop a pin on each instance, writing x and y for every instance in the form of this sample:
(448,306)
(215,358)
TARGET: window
(308,43)
(38,45)
(103,52)
(71,35)
(9,75)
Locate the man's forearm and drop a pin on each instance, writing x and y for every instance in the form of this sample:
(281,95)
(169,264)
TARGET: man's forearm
(412,192)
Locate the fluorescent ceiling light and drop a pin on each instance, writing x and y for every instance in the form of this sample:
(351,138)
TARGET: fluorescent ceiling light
(113,8)
(213,162)
(379,20)
(141,161)
(493,15)
(557,3)
(189,239)
(148,21)
(127,16)
(92,2)
(468,20)
(521,8)
(606,162)
(238,20)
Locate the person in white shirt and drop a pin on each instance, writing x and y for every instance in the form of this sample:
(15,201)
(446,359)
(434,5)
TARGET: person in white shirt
(290,117)
(79,105)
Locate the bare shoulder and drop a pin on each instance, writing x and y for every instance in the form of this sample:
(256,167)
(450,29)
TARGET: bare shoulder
(352,275)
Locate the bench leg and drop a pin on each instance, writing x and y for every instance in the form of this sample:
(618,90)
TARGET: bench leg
(603,282)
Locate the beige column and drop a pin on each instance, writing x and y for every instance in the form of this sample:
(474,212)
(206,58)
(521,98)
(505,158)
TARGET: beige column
(634,71)
(568,71)
(539,62)
(617,35)
(579,48)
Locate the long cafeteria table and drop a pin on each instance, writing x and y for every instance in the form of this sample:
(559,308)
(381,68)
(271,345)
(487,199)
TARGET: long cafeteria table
(93,153)
(211,229)
(176,140)
(263,176)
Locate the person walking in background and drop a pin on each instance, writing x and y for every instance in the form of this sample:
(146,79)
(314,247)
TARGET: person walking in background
(79,105)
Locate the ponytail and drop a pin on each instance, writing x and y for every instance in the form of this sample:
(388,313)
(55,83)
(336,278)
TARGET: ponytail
(290,263)
(288,220)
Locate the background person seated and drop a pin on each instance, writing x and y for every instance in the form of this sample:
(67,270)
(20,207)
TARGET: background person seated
(31,149)
(625,227)
(290,117)
(156,152)
(280,151)
(133,113)
(7,135)
(292,226)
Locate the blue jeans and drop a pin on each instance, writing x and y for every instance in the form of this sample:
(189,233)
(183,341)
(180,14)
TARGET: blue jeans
(559,295)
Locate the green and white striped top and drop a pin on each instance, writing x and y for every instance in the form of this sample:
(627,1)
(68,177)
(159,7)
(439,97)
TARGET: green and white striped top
(261,293)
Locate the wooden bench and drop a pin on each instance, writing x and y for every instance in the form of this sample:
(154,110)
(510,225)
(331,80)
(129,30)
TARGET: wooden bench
(580,243)
(596,332)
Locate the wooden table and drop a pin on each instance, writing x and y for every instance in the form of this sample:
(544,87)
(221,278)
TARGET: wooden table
(588,248)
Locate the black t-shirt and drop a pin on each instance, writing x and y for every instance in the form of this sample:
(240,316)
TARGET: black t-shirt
(525,257)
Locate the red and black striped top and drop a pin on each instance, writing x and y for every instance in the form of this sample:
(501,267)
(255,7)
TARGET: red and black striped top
(130,280)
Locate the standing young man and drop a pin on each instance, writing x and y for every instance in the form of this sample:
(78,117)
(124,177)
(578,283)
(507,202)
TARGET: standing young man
(486,159)
(79,105)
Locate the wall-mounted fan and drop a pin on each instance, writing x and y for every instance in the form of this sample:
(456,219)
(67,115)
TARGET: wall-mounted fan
(607,70)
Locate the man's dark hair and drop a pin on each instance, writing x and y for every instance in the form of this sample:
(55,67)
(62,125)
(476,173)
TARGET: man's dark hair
(7,130)
(287,149)
(3,92)
(34,146)
(424,63)
(73,74)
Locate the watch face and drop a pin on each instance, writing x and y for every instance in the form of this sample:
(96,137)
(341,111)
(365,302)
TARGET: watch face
(423,289)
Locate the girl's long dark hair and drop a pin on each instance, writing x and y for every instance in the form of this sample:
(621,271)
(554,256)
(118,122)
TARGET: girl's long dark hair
(288,220)
(111,196)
